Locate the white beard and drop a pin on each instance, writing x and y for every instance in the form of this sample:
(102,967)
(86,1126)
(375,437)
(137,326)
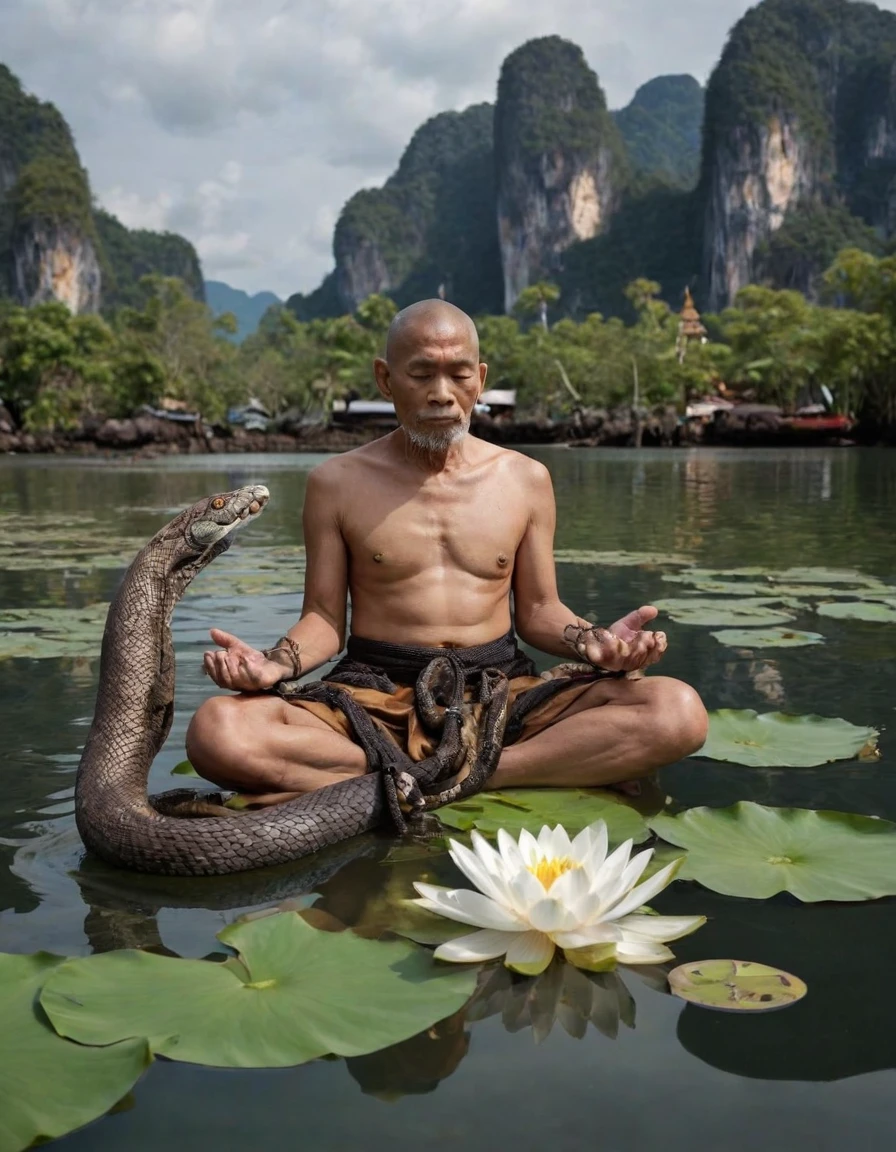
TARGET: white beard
(437,439)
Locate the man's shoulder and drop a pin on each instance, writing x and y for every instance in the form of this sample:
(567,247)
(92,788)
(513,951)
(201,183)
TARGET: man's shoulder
(337,468)
(523,468)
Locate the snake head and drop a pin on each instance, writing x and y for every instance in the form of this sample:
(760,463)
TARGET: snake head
(212,520)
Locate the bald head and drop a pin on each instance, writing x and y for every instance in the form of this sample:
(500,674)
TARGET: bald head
(426,322)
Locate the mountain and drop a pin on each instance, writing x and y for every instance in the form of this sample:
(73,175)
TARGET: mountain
(561,166)
(662,127)
(799,146)
(788,156)
(247,309)
(432,224)
(54,243)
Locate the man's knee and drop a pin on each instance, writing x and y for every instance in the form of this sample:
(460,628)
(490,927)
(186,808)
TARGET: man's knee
(678,717)
(216,738)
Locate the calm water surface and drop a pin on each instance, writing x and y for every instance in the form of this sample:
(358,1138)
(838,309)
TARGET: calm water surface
(818,1075)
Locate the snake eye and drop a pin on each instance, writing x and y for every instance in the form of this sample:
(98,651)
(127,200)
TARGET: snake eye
(218,502)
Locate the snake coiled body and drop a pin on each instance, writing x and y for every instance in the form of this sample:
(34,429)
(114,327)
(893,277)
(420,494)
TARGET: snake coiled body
(116,818)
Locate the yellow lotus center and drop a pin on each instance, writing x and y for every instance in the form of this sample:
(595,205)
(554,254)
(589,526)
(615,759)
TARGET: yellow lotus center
(549,868)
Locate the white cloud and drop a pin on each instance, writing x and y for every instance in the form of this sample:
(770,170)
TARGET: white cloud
(247,126)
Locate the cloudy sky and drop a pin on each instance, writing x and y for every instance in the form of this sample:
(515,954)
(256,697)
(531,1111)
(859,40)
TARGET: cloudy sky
(246,124)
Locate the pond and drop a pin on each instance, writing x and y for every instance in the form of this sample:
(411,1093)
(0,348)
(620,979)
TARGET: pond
(649,1071)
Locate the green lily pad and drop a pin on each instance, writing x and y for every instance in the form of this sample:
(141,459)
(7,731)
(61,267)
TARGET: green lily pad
(184,768)
(45,633)
(719,613)
(295,994)
(619,559)
(49,1086)
(859,610)
(531,808)
(778,740)
(751,850)
(766,637)
(735,985)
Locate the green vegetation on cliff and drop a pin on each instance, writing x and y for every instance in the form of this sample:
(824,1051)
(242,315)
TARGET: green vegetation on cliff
(127,256)
(42,183)
(662,127)
(825,64)
(549,99)
(423,227)
(796,255)
(657,231)
(41,178)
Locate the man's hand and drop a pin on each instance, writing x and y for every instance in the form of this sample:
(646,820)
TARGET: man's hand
(240,667)
(624,646)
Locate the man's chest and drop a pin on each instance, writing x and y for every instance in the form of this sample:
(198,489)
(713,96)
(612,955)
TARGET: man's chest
(477,532)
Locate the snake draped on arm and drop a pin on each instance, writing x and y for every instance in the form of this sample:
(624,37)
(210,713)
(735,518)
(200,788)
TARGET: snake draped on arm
(120,823)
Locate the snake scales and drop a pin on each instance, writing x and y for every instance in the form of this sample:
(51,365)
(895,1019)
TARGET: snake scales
(120,823)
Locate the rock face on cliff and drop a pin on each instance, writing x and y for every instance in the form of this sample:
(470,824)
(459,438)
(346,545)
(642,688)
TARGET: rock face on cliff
(54,245)
(561,164)
(431,225)
(799,119)
(55,261)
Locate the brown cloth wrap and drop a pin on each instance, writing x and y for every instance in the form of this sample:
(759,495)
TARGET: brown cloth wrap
(381,678)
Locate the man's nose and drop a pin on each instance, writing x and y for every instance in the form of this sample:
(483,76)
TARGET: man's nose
(440,392)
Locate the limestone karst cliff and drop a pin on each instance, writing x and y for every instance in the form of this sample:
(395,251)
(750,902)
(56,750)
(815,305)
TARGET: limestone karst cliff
(797,159)
(54,243)
(560,161)
(799,119)
(432,224)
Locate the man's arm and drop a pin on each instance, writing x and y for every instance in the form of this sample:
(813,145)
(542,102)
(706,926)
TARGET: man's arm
(541,617)
(320,632)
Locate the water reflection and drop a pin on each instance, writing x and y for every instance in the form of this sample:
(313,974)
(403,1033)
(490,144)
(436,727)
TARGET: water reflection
(720,508)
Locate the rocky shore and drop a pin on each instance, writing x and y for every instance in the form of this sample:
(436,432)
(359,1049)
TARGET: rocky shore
(148,436)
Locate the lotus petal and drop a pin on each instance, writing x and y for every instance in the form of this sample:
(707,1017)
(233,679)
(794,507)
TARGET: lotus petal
(638,951)
(530,953)
(477,947)
(469,908)
(645,892)
(661,929)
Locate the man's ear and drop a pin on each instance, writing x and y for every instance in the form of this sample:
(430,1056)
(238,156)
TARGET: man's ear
(381,375)
(483,372)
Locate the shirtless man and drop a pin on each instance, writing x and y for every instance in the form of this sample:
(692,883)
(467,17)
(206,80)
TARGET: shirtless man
(430,530)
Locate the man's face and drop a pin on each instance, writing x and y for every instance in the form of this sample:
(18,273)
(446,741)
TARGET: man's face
(433,378)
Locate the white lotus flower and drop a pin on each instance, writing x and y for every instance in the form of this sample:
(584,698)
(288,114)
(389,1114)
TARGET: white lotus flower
(549,892)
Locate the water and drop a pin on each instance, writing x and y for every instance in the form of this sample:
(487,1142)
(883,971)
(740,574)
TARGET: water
(819,1074)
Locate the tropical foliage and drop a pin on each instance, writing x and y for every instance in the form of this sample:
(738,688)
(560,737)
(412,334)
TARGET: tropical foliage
(771,346)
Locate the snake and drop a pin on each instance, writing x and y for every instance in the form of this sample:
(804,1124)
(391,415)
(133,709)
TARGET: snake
(188,833)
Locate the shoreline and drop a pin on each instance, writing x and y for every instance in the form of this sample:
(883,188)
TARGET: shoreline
(146,437)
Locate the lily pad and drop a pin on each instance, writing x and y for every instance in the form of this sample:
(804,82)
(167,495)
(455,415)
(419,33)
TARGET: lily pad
(39,633)
(735,985)
(766,637)
(778,740)
(184,768)
(750,850)
(531,808)
(719,613)
(619,559)
(295,994)
(49,1086)
(859,610)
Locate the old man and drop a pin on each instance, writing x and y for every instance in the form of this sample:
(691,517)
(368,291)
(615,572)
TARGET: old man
(429,531)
